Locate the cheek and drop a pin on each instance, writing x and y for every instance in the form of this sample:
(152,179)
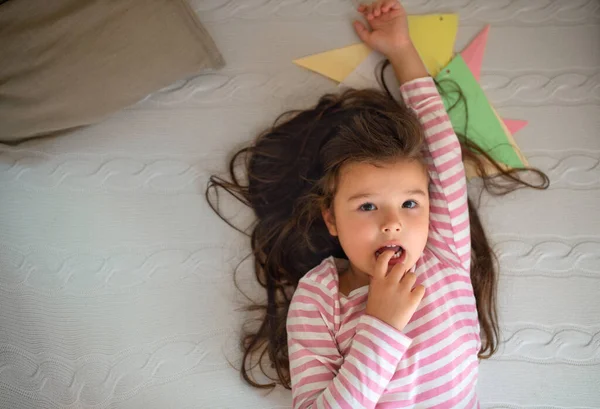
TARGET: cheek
(353,225)
(420,227)
(424,226)
(355,230)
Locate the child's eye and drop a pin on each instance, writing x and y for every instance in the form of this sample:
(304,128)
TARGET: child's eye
(367,207)
(409,204)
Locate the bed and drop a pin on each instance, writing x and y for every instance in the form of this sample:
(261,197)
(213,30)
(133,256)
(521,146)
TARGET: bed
(116,278)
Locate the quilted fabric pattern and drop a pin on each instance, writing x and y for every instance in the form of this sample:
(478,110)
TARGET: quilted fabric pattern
(116,279)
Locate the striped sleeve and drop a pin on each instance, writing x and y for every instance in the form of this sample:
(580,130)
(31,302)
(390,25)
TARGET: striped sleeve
(321,377)
(449,229)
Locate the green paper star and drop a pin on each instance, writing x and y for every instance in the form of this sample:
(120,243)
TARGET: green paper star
(482,124)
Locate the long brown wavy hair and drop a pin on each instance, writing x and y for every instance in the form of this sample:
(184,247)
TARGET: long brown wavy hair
(291,171)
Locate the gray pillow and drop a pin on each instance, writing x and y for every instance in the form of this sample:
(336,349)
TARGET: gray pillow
(68,63)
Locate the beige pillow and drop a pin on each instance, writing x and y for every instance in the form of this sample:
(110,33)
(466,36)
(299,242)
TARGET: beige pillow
(67,63)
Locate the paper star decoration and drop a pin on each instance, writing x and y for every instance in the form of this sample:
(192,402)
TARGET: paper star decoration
(473,56)
(434,36)
(485,126)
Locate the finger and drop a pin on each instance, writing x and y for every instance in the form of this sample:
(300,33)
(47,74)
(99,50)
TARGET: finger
(418,293)
(363,32)
(397,273)
(363,7)
(381,265)
(369,12)
(388,4)
(377,9)
(409,280)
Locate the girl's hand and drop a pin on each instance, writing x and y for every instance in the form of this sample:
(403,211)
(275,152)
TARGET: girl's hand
(389,25)
(392,298)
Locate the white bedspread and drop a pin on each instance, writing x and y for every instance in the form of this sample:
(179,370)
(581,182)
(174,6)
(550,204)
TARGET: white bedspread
(116,285)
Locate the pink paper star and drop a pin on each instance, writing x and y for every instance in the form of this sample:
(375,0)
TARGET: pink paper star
(473,56)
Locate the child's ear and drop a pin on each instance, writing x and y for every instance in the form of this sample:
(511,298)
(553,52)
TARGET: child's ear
(329,219)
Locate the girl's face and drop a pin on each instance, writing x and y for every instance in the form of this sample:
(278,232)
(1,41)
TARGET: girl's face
(377,206)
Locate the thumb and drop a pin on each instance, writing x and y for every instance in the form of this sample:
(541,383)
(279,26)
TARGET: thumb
(362,31)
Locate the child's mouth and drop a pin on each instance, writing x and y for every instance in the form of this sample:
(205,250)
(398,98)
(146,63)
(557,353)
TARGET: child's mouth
(398,251)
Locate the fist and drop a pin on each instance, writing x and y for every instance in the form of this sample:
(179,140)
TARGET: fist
(388,23)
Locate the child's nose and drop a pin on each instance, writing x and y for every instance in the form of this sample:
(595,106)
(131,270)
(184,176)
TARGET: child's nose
(391,224)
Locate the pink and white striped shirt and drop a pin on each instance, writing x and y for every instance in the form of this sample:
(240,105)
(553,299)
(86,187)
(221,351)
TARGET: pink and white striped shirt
(343,358)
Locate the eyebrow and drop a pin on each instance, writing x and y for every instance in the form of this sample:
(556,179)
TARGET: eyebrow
(408,192)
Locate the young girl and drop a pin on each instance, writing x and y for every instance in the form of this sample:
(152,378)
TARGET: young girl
(378,274)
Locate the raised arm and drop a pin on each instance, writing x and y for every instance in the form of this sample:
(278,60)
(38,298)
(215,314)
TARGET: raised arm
(449,231)
(449,214)
(449,220)
(321,376)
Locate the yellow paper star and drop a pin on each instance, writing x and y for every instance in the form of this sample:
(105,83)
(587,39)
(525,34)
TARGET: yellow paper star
(433,36)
